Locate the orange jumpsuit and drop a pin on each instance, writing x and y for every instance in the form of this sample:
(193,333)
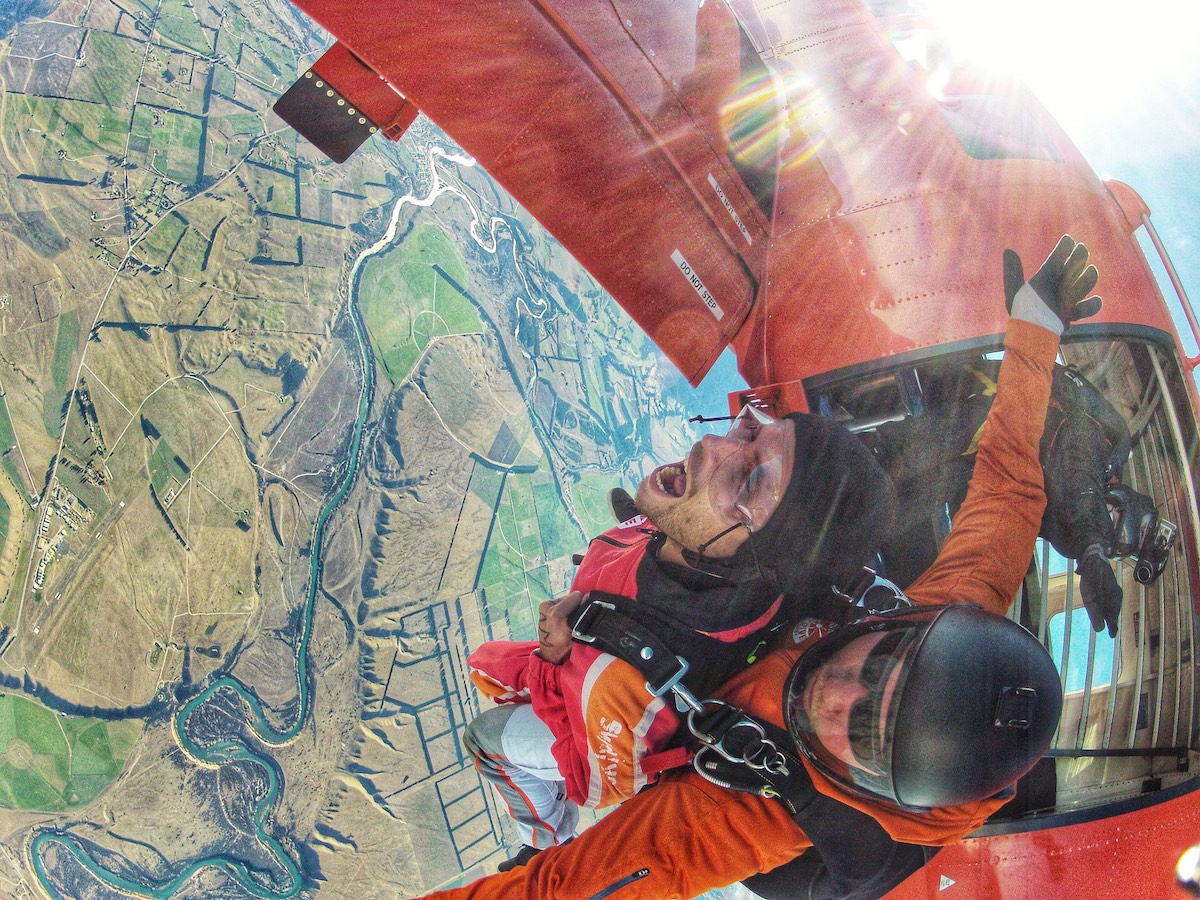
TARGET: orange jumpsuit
(685,835)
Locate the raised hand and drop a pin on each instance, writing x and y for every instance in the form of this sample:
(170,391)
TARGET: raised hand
(1101,593)
(1058,294)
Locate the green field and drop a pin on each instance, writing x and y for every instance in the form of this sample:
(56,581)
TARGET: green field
(515,600)
(157,247)
(405,303)
(593,386)
(7,435)
(537,581)
(177,24)
(568,347)
(164,465)
(189,255)
(111,73)
(79,128)
(503,559)
(485,484)
(51,762)
(170,140)
(531,527)
(224,77)
(260,54)
(510,603)
(244,123)
(521,428)
(590,494)
(60,370)
(560,536)
(282,196)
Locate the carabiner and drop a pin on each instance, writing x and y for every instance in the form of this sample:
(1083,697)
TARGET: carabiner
(755,750)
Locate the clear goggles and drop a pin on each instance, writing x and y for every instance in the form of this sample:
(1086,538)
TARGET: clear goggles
(748,480)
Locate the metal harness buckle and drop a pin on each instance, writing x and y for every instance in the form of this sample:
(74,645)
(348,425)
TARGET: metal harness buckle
(755,750)
(671,682)
(580,630)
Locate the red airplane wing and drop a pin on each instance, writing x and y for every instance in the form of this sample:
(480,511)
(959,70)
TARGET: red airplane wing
(633,175)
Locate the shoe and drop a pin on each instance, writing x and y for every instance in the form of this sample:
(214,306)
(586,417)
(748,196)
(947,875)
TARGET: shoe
(524,855)
(622,504)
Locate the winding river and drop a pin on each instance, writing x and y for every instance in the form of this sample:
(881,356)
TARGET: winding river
(290,879)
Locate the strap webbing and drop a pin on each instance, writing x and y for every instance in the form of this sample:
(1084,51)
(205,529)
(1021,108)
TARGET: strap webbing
(603,624)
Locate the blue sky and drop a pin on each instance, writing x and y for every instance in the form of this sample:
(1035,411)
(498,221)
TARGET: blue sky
(1154,146)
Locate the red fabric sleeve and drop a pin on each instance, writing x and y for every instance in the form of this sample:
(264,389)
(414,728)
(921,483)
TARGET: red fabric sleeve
(553,690)
(498,669)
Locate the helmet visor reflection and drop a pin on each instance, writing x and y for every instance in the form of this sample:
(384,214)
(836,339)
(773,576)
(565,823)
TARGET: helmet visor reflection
(868,661)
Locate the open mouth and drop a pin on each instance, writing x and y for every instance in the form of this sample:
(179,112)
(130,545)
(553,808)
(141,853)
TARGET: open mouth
(671,480)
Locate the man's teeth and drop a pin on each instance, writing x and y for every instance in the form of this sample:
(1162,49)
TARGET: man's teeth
(671,480)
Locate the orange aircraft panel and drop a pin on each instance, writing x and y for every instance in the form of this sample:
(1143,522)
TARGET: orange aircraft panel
(631,177)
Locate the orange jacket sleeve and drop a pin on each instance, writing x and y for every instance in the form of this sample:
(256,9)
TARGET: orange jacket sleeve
(992,537)
(679,839)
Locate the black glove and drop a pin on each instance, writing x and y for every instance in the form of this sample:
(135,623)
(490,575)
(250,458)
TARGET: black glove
(1101,593)
(1061,284)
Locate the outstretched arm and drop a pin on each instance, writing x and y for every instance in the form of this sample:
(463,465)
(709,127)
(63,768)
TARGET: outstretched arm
(678,839)
(992,537)
(1078,522)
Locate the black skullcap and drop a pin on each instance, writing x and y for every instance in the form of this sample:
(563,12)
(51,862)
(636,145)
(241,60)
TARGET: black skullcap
(836,511)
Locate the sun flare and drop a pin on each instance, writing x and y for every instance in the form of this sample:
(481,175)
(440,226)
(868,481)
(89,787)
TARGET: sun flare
(1081,58)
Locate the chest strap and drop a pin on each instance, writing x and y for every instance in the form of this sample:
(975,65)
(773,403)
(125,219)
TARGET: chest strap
(735,750)
(601,623)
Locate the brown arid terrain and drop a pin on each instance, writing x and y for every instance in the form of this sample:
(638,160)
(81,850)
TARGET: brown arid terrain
(281,442)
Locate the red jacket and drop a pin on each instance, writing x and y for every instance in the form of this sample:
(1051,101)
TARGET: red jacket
(604,722)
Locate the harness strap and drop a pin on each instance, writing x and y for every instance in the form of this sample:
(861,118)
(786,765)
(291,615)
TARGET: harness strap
(599,622)
(788,783)
(674,758)
(852,856)
(737,750)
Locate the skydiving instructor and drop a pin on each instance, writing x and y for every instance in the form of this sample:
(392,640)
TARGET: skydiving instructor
(862,702)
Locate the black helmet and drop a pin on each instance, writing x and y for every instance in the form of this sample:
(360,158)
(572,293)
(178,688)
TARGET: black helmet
(960,703)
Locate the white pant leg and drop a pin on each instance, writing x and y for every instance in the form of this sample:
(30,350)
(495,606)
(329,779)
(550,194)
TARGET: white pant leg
(512,751)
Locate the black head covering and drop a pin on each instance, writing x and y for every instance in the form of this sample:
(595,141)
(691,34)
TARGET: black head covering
(836,511)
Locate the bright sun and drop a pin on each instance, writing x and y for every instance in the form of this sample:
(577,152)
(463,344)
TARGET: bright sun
(1083,58)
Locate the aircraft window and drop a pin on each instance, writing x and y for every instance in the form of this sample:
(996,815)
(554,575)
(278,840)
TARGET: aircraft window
(747,130)
(1058,565)
(1130,709)
(1075,678)
(1131,712)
